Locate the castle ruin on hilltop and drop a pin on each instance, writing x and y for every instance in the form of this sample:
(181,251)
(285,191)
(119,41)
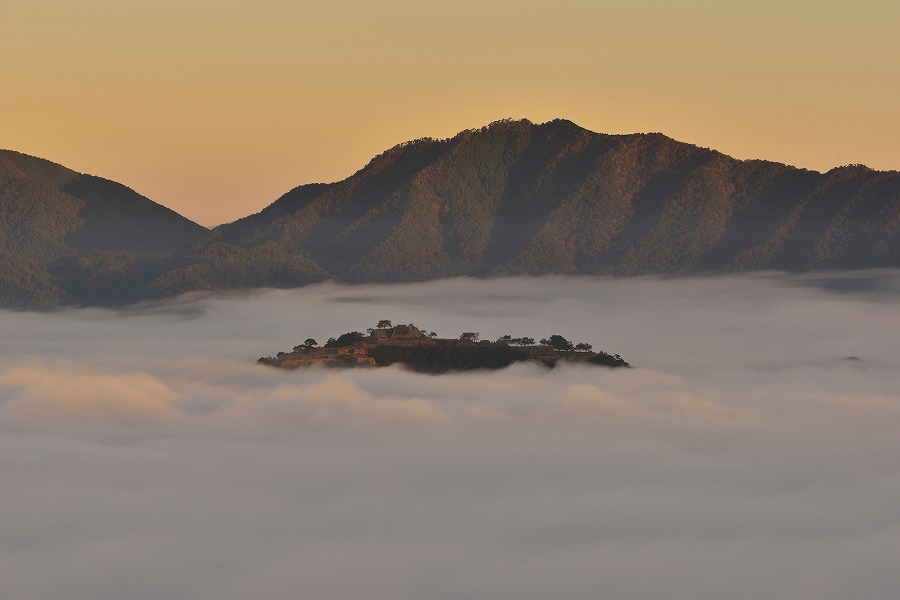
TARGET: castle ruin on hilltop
(410,345)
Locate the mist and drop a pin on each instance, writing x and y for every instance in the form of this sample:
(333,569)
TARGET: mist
(753,451)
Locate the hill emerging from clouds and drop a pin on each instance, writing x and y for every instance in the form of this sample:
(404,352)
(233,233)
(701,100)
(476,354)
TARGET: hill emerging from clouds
(510,198)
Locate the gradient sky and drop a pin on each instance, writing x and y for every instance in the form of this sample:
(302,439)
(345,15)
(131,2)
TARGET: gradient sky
(215,108)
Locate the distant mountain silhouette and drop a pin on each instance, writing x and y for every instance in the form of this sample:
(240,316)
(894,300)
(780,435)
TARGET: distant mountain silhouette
(510,198)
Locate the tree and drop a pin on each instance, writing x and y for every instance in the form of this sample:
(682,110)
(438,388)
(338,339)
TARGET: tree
(469,336)
(582,347)
(432,335)
(345,339)
(306,345)
(558,343)
(505,338)
(384,324)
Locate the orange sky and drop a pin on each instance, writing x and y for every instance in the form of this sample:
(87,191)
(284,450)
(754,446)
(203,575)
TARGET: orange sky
(215,108)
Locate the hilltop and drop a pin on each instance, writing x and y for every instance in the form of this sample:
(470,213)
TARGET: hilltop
(49,211)
(421,351)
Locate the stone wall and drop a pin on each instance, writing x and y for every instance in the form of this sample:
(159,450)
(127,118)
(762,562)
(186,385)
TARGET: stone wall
(401,335)
(345,356)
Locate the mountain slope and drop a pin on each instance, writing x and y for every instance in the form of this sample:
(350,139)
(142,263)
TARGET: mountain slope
(510,198)
(49,211)
(515,197)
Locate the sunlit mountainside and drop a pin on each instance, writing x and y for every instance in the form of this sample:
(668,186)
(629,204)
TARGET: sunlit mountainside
(510,198)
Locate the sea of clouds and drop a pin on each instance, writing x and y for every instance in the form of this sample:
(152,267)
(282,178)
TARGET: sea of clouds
(144,454)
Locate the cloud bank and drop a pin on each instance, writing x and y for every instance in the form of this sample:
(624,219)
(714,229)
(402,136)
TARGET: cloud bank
(145,455)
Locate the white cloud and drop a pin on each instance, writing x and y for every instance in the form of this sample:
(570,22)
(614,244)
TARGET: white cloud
(62,390)
(144,453)
(328,402)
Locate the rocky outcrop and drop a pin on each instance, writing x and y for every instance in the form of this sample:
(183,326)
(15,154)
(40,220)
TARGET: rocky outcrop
(353,356)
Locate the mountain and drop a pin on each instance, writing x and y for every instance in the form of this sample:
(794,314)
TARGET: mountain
(522,198)
(49,212)
(510,198)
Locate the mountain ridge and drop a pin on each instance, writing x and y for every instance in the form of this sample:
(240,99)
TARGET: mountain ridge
(509,198)
(50,213)
(514,197)
(100,214)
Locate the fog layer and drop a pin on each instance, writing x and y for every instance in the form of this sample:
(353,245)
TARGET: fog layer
(145,455)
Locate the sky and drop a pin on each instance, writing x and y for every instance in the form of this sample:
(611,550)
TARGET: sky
(216,108)
(145,455)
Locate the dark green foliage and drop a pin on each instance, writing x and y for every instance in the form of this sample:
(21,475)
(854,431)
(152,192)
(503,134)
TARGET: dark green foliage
(448,357)
(36,216)
(109,278)
(25,284)
(608,360)
(307,345)
(73,238)
(49,212)
(224,266)
(345,339)
(559,343)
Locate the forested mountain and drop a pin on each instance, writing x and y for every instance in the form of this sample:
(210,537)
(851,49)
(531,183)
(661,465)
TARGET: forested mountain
(515,197)
(49,212)
(510,198)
